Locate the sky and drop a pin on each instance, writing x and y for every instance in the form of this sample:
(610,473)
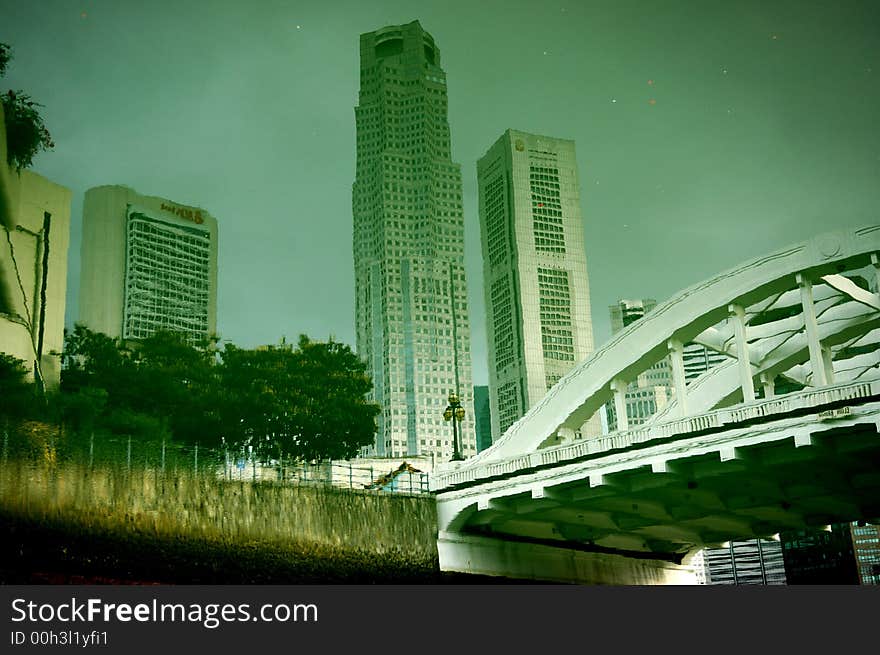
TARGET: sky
(707,132)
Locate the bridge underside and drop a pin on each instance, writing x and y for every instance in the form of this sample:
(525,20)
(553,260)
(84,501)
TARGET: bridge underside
(635,525)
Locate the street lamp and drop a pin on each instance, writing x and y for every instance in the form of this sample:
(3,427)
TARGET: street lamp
(454,412)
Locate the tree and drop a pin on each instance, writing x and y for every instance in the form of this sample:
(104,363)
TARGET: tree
(163,377)
(92,359)
(16,394)
(309,403)
(336,420)
(26,134)
(177,380)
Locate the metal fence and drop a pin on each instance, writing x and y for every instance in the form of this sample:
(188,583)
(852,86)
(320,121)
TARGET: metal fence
(44,443)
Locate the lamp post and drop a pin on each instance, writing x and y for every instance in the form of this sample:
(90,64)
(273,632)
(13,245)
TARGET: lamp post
(454,412)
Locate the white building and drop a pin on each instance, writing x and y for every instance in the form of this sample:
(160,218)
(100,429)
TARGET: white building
(535,281)
(148,263)
(411,320)
(35,227)
(34,239)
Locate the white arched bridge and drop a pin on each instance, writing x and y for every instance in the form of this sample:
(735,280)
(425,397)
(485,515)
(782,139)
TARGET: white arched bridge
(783,435)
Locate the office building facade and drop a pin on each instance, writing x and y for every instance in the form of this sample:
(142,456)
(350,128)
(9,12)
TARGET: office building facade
(698,359)
(820,556)
(538,318)
(482,417)
(652,390)
(745,562)
(866,544)
(148,264)
(411,310)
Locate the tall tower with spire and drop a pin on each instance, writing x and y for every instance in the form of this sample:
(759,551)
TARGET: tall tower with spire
(412,322)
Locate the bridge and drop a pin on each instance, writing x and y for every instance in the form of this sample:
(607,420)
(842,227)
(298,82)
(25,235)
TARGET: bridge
(782,436)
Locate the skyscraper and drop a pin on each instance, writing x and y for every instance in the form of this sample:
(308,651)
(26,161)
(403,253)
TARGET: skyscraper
(698,359)
(412,321)
(482,417)
(866,544)
(534,271)
(148,263)
(746,562)
(652,390)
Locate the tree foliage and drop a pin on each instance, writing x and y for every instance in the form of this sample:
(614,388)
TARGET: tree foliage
(16,394)
(5,57)
(307,402)
(26,133)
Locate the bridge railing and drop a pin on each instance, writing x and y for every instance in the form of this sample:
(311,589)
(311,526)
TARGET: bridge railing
(684,427)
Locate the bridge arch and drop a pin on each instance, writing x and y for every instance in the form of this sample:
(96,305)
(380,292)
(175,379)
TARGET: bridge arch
(835,312)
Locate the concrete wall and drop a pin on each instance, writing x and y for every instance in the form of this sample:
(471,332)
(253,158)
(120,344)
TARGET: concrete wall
(529,561)
(197,506)
(29,196)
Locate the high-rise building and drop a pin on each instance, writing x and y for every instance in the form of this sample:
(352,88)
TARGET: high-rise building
(820,556)
(866,544)
(745,562)
(698,359)
(148,263)
(35,220)
(482,417)
(412,322)
(625,312)
(535,281)
(652,390)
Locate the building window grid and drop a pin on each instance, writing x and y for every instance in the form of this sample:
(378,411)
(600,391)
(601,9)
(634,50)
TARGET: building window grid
(557,337)
(508,407)
(502,318)
(495,221)
(546,209)
(166,284)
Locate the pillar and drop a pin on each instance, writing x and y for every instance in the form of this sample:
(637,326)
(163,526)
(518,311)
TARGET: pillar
(618,388)
(676,357)
(738,316)
(817,361)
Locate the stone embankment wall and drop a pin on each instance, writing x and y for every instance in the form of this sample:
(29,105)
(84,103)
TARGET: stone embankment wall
(187,505)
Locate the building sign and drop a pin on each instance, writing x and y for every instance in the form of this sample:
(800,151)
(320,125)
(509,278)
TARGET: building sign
(188,214)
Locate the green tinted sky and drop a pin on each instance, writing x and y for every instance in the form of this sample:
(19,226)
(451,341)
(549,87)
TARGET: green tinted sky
(763,129)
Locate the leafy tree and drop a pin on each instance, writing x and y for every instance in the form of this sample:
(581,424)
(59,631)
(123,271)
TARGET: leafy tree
(16,393)
(177,380)
(163,377)
(309,403)
(92,359)
(26,133)
(79,411)
(335,418)
(5,57)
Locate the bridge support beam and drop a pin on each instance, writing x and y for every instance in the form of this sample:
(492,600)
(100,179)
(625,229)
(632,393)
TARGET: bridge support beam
(679,383)
(618,388)
(875,262)
(768,382)
(817,360)
(828,364)
(738,316)
(530,561)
